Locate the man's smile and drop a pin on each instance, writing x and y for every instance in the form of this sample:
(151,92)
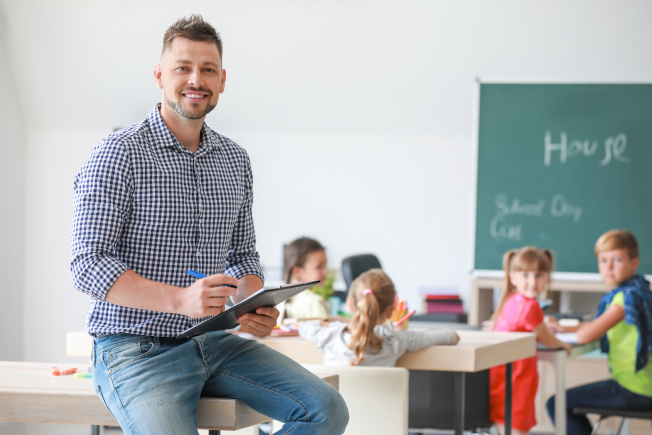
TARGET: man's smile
(194,96)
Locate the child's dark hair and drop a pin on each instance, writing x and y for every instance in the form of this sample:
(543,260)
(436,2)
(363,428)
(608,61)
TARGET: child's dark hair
(296,253)
(372,294)
(526,258)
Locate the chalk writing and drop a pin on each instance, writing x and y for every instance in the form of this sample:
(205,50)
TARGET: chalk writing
(500,228)
(614,148)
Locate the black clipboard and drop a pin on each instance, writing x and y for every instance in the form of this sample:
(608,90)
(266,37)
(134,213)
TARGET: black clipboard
(228,319)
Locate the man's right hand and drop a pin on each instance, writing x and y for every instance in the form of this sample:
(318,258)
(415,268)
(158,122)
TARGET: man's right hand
(206,296)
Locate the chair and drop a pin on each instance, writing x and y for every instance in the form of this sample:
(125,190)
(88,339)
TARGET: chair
(431,404)
(605,413)
(377,398)
(356,265)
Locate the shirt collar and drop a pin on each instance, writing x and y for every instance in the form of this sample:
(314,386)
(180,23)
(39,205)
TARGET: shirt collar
(164,137)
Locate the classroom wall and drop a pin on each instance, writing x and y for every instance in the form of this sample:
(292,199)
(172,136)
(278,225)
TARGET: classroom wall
(358,117)
(12,213)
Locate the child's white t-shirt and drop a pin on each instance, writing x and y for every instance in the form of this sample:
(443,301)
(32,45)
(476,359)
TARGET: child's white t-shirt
(307,305)
(334,340)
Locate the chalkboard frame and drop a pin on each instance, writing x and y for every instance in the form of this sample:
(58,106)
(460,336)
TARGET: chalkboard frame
(479,81)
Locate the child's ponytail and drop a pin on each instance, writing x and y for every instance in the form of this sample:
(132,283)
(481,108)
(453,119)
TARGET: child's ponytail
(372,294)
(362,327)
(508,287)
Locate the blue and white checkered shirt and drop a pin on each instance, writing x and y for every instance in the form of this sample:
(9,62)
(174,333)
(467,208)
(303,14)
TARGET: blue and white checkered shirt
(144,202)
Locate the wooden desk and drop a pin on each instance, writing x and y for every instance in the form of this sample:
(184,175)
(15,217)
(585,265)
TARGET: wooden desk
(30,393)
(476,351)
(481,298)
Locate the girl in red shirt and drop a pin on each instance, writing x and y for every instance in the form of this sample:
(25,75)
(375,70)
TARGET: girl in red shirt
(527,275)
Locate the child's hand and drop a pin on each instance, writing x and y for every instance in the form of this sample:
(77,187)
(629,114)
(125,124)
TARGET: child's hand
(402,327)
(568,348)
(552,324)
(488,325)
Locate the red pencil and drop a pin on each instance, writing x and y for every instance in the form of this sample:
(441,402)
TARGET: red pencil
(407,316)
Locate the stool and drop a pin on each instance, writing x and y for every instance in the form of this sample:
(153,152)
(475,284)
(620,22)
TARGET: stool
(611,412)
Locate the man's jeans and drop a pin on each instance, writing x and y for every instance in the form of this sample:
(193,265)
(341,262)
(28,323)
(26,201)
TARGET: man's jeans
(605,394)
(152,385)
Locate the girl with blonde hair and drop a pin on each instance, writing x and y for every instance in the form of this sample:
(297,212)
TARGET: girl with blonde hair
(527,275)
(370,339)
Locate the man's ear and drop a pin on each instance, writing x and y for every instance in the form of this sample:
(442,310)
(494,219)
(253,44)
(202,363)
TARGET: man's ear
(158,80)
(223,81)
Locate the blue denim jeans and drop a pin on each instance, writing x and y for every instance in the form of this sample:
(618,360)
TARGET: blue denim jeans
(152,385)
(605,394)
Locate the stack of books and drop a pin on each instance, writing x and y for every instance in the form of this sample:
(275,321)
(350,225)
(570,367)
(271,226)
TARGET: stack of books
(442,304)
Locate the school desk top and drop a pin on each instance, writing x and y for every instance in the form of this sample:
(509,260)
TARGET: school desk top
(477,350)
(30,393)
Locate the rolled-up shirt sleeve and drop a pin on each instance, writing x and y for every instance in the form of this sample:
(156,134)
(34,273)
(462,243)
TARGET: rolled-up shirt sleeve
(102,203)
(242,257)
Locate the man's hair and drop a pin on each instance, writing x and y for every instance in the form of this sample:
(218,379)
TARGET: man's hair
(194,28)
(617,239)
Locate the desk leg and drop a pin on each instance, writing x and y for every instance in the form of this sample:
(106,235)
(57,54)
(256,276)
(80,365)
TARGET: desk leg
(508,399)
(214,432)
(459,403)
(95,430)
(560,393)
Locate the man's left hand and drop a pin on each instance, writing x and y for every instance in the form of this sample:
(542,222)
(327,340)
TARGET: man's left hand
(261,322)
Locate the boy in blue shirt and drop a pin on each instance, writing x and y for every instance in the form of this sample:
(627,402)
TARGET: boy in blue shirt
(623,323)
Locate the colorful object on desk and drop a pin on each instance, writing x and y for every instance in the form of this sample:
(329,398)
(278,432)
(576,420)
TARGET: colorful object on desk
(442,301)
(57,372)
(201,275)
(400,314)
(83,375)
(406,317)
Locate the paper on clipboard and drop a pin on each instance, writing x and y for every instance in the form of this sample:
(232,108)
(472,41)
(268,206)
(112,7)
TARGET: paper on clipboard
(567,337)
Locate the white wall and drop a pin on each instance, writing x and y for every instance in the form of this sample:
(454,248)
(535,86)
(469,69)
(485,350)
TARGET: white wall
(12,214)
(369,103)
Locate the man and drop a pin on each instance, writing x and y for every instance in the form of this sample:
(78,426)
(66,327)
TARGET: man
(154,200)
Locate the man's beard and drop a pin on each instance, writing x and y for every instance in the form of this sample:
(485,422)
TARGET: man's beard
(174,105)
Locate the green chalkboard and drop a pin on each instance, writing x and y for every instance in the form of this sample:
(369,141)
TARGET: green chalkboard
(560,164)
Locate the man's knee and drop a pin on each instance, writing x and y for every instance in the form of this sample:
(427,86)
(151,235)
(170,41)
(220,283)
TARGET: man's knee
(332,414)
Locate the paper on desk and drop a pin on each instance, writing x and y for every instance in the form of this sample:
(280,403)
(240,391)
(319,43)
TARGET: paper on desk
(567,337)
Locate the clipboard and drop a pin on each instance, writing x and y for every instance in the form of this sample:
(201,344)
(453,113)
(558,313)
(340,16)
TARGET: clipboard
(228,319)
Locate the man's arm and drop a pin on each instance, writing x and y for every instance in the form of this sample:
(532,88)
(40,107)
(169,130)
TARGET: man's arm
(205,297)
(243,260)
(102,204)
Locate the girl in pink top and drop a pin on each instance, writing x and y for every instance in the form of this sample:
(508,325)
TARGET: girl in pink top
(527,275)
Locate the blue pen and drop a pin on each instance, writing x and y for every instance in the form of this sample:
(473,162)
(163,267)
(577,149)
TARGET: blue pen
(201,275)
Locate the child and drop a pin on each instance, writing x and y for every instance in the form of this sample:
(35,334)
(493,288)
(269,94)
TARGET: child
(367,339)
(527,275)
(305,260)
(624,325)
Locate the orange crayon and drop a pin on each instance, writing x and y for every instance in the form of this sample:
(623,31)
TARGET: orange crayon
(55,371)
(69,371)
